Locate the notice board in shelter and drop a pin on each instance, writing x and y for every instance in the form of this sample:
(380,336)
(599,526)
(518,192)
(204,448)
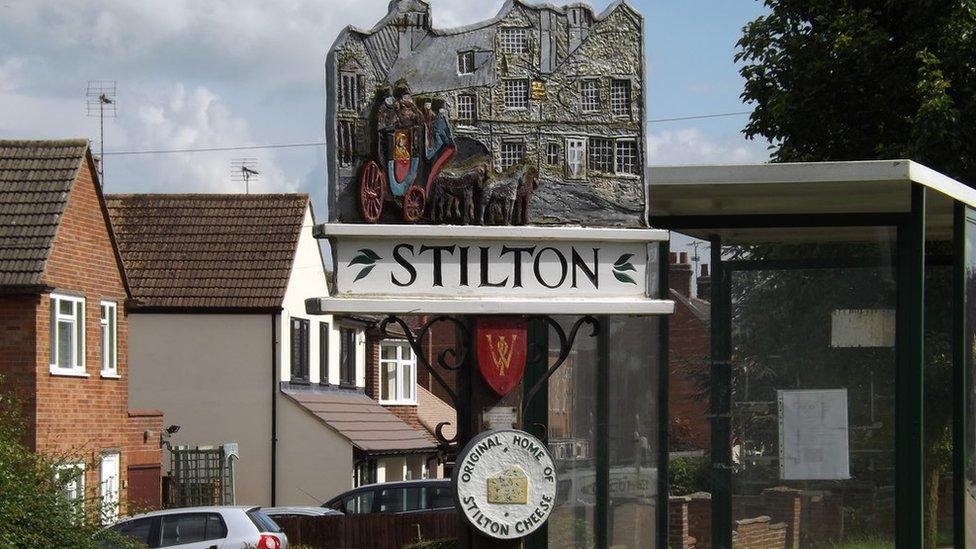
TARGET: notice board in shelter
(813,435)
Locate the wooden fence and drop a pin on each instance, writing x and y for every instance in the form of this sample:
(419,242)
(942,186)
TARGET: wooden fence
(369,531)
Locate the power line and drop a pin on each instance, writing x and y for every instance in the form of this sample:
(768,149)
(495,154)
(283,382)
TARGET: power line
(322,143)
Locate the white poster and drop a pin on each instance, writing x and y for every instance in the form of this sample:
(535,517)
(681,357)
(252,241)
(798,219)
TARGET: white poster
(813,435)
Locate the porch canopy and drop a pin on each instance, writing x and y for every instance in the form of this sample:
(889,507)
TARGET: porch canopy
(843,287)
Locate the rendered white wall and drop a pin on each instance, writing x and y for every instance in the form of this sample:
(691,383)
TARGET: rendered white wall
(314,462)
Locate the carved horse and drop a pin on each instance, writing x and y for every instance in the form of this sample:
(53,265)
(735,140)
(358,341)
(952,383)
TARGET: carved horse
(505,201)
(453,196)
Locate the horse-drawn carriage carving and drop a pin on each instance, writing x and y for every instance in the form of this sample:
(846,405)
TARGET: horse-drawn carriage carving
(413,147)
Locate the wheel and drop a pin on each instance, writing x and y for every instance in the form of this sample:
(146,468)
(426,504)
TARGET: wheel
(413,204)
(371,184)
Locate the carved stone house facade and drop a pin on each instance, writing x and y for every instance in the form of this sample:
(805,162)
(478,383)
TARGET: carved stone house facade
(560,88)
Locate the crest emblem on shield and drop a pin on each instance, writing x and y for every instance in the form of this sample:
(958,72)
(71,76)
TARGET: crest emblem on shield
(501,348)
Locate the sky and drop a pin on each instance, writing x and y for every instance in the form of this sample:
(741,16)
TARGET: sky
(217,73)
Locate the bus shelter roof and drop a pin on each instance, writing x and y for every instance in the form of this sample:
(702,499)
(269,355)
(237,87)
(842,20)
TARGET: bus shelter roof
(750,203)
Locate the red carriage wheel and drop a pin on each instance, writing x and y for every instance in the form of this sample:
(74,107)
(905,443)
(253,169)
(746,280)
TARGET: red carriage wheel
(413,204)
(371,183)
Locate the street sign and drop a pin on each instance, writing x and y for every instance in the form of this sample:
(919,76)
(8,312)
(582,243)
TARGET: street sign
(490,270)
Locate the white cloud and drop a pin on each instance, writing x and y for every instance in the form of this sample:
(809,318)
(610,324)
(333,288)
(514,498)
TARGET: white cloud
(188,118)
(692,146)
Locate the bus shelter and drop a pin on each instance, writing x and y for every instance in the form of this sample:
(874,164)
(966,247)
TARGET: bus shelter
(842,341)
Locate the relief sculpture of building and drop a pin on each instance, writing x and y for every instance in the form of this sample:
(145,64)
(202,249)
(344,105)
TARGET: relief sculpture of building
(534,116)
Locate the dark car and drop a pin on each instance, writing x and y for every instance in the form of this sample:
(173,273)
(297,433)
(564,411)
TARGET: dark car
(395,497)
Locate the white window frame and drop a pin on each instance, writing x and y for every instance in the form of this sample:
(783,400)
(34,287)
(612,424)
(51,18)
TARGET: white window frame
(77,320)
(398,362)
(590,94)
(620,104)
(465,64)
(516,93)
(78,498)
(512,153)
(110,360)
(513,40)
(468,112)
(617,157)
(554,153)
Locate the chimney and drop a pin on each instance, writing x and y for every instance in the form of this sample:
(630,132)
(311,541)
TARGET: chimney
(705,284)
(679,273)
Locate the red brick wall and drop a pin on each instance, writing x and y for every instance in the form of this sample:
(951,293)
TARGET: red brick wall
(688,357)
(77,418)
(142,449)
(17,353)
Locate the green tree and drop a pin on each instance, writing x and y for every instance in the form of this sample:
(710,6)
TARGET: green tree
(864,79)
(873,79)
(34,510)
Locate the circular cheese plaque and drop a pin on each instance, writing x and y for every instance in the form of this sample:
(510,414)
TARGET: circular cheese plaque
(505,483)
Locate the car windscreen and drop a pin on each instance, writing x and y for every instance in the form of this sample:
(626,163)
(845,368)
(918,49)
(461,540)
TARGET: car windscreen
(262,522)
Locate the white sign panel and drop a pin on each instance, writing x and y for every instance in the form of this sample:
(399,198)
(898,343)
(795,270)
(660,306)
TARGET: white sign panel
(813,435)
(445,269)
(505,483)
(428,267)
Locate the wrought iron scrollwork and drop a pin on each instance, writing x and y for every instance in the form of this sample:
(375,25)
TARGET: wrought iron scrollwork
(451,358)
(566,343)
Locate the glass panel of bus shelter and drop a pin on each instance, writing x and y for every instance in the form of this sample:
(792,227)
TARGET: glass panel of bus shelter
(970,332)
(812,410)
(572,440)
(938,355)
(633,431)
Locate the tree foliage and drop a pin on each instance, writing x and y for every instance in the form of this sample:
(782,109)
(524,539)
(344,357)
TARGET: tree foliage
(34,510)
(864,79)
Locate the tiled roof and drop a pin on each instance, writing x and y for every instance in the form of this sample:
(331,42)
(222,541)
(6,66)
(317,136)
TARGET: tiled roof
(432,411)
(207,251)
(360,419)
(35,180)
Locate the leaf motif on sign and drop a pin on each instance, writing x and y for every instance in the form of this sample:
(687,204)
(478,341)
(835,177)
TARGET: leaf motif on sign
(623,260)
(622,265)
(624,278)
(368,259)
(364,272)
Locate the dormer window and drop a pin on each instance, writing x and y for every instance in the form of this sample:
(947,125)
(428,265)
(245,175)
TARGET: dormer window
(513,41)
(466,62)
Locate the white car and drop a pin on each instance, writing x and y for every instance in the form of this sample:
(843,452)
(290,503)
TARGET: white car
(217,527)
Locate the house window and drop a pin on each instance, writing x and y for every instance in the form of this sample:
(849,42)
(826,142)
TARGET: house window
(347,356)
(513,40)
(590,91)
(324,331)
(516,94)
(67,335)
(600,154)
(626,159)
(512,153)
(620,97)
(350,89)
(553,154)
(398,373)
(466,106)
(466,62)
(347,139)
(110,333)
(299,349)
(69,478)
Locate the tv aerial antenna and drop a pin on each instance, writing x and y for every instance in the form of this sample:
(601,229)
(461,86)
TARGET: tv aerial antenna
(695,258)
(100,102)
(244,169)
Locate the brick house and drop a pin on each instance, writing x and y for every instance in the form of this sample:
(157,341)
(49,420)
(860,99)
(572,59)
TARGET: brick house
(688,355)
(64,328)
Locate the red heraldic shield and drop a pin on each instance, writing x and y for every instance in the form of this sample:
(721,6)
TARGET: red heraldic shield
(500,343)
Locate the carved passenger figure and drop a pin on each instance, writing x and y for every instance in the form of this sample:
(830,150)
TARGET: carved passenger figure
(442,134)
(408,115)
(427,115)
(386,118)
